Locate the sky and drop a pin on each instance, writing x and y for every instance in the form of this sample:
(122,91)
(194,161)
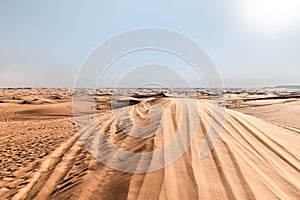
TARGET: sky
(251,43)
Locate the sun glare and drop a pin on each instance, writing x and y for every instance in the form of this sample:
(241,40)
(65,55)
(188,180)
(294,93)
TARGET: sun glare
(270,15)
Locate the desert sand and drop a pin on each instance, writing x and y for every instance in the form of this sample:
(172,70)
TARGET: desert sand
(42,155)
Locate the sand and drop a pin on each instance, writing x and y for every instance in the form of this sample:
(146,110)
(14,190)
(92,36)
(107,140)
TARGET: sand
(280,112)
(43,156)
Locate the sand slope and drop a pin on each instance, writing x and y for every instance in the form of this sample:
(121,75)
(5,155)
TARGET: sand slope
(253,159)
(282,112)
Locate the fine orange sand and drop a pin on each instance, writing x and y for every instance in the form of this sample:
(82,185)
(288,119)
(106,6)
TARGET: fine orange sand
(43,157)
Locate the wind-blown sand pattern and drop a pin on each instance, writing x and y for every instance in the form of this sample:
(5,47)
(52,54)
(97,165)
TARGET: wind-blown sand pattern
(43,157)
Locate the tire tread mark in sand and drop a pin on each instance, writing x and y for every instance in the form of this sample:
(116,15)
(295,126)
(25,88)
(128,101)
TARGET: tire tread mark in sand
(143,175)
(161,177)
(248,191)
(284,177)
(265,179)
(271,139)
(45,170)
(60,171)
(160,182)
(106,171)
(265,143)
(217,161)
(252,146)
(246,127)
(187,162)
(149,145)
(221,173)
(217,193)
(6,114)
(243,125)
(73,177)
(245,140)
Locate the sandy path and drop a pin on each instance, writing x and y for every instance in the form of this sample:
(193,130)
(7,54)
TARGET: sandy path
(253,159)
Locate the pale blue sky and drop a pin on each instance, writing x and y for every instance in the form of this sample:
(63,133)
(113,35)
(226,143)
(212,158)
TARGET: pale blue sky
(43,43)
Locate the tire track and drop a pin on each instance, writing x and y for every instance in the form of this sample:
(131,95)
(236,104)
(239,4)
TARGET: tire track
(285,175)
(287,178)
(151,184)
(60,171)
(40,177)
(238,176)
(259,130)
(247,189)
(188,114)
(246,163)
(246,126)
(102,187)
(140,187)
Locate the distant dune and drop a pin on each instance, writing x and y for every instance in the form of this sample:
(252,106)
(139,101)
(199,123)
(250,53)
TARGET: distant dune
(289,86)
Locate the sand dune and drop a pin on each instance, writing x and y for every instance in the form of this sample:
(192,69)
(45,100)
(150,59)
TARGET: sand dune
(47,159)
(287,112)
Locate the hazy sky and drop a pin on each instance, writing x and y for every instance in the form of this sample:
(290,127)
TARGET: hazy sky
(252,42)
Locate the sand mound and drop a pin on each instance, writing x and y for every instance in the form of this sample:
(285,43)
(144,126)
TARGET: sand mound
(12,112)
